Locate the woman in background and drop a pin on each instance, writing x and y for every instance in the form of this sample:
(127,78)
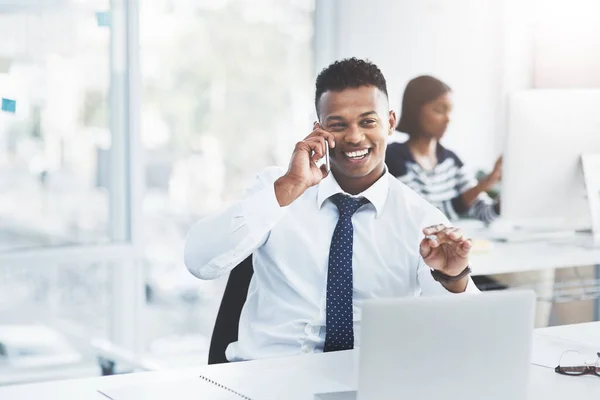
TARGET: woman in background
(439,176)
(430,169)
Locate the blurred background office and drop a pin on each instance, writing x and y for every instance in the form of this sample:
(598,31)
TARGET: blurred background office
(124,121)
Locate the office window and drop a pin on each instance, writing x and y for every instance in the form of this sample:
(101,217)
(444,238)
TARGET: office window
(54,129)
(49,316)
(55,142)
(227,90)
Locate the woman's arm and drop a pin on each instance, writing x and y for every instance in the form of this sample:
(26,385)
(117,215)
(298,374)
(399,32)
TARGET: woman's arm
(469,197)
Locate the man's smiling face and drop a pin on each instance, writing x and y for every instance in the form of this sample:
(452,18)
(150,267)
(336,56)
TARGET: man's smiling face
(360,120)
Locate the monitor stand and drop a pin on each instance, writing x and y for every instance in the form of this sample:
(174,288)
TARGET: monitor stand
(590,238)
(591,174)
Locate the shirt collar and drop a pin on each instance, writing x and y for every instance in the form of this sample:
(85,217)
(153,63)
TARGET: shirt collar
(376,193)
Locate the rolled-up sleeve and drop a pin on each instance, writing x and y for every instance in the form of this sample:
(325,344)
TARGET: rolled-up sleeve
(216,244)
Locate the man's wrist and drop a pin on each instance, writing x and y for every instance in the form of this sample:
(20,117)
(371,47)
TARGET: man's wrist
(445,278)
(458,286)
(454,284)
(287,190)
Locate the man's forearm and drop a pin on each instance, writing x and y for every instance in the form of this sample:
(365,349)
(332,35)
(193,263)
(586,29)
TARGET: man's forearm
(213,244)
(287,190)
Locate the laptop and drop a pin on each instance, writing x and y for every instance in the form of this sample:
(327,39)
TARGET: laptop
(463,347)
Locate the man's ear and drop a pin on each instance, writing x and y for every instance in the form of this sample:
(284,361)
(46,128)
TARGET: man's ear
(392,120)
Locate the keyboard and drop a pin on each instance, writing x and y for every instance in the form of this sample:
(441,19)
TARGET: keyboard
(519,236)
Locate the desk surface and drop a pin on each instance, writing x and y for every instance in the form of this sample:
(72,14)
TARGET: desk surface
(520,257)
(340,367)
(512,257)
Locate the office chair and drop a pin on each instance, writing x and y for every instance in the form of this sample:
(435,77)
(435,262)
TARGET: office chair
(228,317)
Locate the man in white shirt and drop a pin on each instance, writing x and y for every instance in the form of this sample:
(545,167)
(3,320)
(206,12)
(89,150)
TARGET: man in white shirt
(324,242)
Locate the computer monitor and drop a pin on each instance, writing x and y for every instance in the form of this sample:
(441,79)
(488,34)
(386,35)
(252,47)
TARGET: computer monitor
(548,130)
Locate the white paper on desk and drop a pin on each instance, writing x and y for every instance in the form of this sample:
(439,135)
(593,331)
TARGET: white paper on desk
(547,350)
(183,389)
(259,385)
(294,384)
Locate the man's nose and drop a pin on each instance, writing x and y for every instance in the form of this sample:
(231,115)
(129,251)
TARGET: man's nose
(353,135)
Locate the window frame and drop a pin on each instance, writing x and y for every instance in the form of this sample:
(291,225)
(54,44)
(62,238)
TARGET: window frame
(126,184)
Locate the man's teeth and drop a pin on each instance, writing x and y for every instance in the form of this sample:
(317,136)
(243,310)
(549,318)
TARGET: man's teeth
(357,154)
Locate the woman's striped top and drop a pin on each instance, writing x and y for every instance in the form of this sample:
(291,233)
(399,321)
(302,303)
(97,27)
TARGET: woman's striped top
(442,186)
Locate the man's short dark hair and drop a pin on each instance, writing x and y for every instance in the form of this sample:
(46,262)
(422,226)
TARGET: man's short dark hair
(348,73)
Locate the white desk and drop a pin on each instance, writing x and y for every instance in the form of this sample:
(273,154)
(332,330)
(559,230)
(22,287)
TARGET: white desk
(531,256)
(526,256)
(513,257)
(339,367)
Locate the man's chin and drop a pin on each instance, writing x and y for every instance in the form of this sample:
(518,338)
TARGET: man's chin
(355,173)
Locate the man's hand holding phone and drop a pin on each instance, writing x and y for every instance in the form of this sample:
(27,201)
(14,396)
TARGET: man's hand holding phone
(303,171)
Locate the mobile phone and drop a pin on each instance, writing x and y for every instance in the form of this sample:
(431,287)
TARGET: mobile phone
(327,166)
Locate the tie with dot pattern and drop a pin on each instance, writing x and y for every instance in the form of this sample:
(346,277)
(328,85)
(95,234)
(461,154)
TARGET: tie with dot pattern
(339,323)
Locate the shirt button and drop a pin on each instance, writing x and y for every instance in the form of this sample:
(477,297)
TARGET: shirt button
(315,330)
(305,349)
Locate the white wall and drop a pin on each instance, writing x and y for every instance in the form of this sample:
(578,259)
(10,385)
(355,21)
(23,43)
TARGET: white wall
(567,44)
(465,43)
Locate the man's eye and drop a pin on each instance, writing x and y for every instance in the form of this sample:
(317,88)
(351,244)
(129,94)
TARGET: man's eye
(336,125)
(369,121)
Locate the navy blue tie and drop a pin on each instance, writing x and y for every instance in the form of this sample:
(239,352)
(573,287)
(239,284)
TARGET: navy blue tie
(339,322)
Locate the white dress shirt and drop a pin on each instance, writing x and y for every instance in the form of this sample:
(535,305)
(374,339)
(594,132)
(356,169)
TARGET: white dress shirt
(284,313)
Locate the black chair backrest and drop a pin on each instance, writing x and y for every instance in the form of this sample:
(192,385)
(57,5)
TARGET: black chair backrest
(228,317)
